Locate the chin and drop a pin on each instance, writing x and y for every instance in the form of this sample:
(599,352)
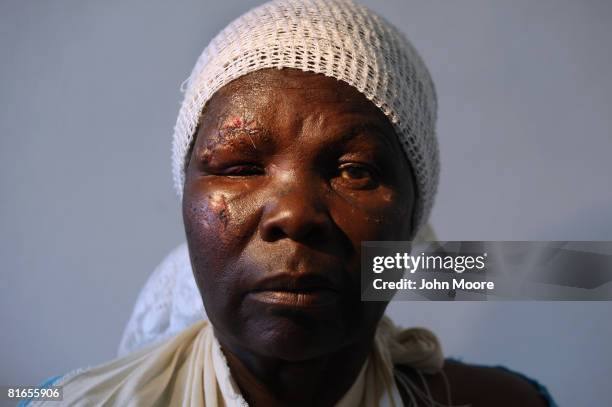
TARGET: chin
(293,337)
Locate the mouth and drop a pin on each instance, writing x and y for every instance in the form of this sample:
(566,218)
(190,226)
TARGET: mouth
(297,299)
(301,291)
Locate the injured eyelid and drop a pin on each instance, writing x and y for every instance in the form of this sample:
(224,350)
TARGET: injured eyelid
(252,143)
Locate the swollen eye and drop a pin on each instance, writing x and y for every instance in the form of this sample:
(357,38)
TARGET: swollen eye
(242,170)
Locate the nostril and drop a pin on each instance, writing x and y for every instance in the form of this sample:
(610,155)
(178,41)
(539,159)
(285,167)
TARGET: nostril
(297,222)
(272,234)
(296,208)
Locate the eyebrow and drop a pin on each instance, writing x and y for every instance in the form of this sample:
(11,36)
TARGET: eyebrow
(370,128)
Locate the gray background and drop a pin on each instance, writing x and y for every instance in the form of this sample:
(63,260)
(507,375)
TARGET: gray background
(89,96)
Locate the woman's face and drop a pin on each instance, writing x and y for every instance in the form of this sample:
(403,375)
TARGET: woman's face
(289,173)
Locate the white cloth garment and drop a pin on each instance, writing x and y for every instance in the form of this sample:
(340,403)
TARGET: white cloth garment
(168,303)
(190,370)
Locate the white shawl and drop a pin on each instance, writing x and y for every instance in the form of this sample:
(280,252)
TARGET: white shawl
(190,370)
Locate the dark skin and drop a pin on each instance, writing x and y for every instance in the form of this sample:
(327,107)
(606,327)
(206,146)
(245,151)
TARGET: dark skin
(289,173)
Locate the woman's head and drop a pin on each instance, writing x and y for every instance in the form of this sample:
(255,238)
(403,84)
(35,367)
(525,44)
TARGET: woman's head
(339,39)
(284,172)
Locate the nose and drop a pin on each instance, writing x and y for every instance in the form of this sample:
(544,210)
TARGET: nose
(296,210)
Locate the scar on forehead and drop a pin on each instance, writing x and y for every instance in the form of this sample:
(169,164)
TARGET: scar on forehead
(238,125)
(230,132)
(234,122)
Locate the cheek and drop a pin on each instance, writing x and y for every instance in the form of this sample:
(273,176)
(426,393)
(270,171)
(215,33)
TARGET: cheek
(206,219)
(209,213)
(382,214)
(217,212)
(217,227)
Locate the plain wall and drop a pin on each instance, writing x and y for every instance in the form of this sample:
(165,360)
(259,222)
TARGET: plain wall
(89,96)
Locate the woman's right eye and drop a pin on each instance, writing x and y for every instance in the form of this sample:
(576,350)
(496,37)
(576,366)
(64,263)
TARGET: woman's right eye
(241,170)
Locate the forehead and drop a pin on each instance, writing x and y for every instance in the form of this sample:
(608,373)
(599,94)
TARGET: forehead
(285,97)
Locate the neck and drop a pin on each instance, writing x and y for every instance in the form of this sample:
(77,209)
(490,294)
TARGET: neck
(321,381)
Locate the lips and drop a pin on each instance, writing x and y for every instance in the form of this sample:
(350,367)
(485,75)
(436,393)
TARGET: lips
(296,290)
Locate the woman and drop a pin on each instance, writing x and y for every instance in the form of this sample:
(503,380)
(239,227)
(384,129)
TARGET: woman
(307,128)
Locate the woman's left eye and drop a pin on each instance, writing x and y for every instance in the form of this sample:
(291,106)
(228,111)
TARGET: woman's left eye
(359,175)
